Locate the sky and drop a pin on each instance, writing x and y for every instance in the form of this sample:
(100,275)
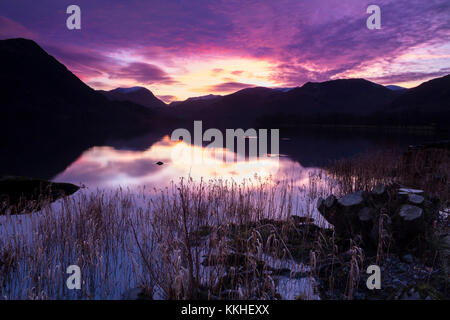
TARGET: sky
(180,49)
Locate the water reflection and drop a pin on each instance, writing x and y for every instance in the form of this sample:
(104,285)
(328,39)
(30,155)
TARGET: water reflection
(107,167)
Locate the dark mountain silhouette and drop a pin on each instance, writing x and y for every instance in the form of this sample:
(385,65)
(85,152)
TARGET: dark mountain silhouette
(395,88)
(207,99)
(431,96)
(44,107)
(336,102)
(139,95)
(427,103)
(354,96)
(237,108)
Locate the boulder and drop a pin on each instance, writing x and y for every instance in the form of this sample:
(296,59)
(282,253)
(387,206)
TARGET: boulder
(25,195)
(409,212)
(408,216)
(320,203)
(351,200)
(324,205)
(415,198)
(137,294)
(343,213)
(379,189)
(409,190)
(330,201)
(366,214)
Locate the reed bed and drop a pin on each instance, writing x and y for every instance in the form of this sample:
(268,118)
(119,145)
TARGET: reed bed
(157,240)
(427,169)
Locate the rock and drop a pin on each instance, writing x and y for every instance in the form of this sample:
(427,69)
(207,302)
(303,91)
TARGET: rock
(379,189)
(407,190)
(343,213)
(325,204)
(25,195)
(320,203)
(330,201)
(351,200)
(415,198)
(136,294)
(407,219)
(366,214)
(408,258)
(409,212)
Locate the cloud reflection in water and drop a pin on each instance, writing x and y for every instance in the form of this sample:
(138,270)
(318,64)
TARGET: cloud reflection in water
(107,167)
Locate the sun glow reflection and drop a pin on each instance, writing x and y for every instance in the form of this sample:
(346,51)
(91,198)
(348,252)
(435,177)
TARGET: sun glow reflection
(108,167)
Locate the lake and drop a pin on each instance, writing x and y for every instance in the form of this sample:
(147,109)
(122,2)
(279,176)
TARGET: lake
(135,161)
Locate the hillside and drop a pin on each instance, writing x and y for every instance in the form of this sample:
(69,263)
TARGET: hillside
(44,107)
(138,95)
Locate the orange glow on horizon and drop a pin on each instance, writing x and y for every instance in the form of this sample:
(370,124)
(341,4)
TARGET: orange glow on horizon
(197,76)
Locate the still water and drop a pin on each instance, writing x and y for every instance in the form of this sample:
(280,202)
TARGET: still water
(161,161)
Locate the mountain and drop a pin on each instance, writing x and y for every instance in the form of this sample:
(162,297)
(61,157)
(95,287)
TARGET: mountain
(335,102)
(283,89)
(204,100)
(45,109)
(431,96)
(428,102)
(139,95)
(395,88)
(354,96)
(307,104)
(37,89)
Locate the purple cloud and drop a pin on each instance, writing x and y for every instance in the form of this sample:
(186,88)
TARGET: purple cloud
(84,62)
(228,87)
(410,76)
(142,72)
(303,40)
(216,71)
(13,29)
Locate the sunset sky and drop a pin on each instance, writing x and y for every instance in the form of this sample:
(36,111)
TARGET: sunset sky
(179,49)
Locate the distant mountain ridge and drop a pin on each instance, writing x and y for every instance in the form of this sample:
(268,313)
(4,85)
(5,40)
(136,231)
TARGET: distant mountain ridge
(428,102)
(431,96)
(335,102)
(139,95)
(395,88)
(206,99)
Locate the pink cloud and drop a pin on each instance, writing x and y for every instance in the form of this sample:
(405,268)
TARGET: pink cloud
(228,87)
(303,40)
(143,73)
(12,29)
